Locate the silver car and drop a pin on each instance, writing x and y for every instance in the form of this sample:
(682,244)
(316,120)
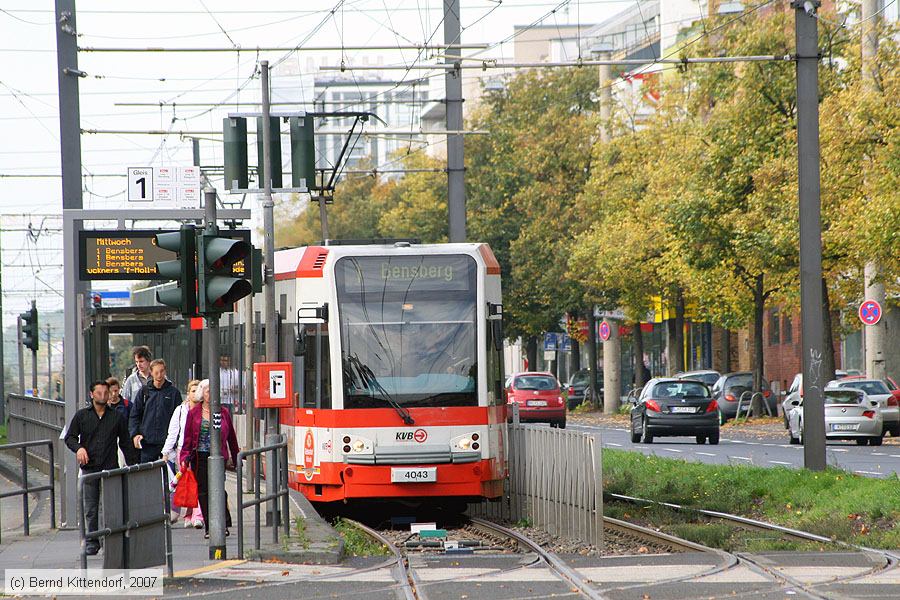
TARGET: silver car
(849,415)
(877,390)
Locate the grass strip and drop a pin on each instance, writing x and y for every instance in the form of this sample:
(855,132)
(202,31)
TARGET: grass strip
(832,503)
(358,542)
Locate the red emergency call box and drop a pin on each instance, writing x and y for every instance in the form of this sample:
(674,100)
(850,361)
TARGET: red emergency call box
(274,385)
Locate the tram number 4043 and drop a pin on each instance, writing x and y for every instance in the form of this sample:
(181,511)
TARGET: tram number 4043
(425,475)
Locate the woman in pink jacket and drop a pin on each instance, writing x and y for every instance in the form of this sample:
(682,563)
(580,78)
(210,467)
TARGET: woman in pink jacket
(196,447)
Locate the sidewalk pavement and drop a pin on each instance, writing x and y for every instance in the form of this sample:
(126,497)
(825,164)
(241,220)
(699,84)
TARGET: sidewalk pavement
(45,548)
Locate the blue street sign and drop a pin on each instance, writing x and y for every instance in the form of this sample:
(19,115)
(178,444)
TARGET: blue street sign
(551,342)
(565,343)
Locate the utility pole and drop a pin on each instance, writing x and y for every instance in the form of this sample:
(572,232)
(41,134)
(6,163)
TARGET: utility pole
(612,368)
(811,316)
(68,75)
(456,190)
(197,370)
(874,287)
(2,362)
(216,462)
(269,287)
(612,345)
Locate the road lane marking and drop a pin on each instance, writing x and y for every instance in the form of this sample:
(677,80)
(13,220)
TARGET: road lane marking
(879,454)
(742,458)
(706,454)
(614,444)
(839,450)
(672,450)
(780,462)
(895,455)
(869,472)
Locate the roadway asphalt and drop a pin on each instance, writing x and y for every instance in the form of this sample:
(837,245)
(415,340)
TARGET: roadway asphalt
(762,451)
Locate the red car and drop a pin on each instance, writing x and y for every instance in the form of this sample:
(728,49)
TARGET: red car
(539,398)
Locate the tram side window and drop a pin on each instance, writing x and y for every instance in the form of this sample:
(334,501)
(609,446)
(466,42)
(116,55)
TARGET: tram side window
(494,369)
(309,368)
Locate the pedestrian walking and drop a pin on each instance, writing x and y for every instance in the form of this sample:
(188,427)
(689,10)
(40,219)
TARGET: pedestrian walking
(151,411)
(94,435)
(116,401)
(140,375)
(195,450)
(120,405)
(230,382)
(172,448)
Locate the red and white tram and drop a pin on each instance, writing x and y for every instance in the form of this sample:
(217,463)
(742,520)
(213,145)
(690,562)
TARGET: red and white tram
(399,371)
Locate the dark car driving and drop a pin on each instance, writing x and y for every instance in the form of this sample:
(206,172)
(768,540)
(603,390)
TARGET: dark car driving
(675,407)
(578,389)
(730,388)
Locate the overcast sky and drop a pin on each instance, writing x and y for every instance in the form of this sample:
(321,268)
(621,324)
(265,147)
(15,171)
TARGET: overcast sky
(29,126)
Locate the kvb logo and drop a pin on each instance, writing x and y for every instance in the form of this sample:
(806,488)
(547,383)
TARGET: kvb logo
(419,435)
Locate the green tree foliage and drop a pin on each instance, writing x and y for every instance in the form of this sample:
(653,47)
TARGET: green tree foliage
(521,183)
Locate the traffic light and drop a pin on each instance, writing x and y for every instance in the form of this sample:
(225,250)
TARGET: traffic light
(235,134)
(219,289)
(30,337)
(183,270)
(274,152)
(303,152)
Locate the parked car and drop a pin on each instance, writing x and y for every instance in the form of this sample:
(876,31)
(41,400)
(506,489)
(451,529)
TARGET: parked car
(675,407)
(729,388)
(539,398)
(578,389)
(794,392)
(876,390)
(849,415)
(709,377)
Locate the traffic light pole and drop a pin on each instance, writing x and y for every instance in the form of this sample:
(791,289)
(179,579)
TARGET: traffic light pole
(271,418)
(216,463)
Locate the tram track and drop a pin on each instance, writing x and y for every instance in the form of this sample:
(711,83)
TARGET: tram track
(889,560)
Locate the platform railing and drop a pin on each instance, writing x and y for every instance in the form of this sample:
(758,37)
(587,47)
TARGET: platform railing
(24,491)
(280,466)
(555,482)
(130,522)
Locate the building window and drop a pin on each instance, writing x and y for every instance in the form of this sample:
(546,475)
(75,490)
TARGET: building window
(774,327)
(788,333)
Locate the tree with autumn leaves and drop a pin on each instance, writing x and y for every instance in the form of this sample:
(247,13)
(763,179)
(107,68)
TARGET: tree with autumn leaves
(697,202)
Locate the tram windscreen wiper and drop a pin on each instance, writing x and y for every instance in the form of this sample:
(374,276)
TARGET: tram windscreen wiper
(368,379)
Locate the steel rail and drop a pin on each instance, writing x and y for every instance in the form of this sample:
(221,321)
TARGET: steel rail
(891,559)
(402,573)
(556,564)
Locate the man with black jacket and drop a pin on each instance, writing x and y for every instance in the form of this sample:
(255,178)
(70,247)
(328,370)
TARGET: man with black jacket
(93,435)
(151,411)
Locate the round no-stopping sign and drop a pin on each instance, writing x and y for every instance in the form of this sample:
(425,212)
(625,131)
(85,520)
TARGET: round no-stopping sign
(604,331)
(870,312)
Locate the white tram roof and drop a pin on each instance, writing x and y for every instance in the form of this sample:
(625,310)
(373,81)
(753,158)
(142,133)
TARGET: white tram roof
(309,261)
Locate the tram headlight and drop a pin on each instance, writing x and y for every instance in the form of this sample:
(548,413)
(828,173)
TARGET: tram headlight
(359,445)
(465,442)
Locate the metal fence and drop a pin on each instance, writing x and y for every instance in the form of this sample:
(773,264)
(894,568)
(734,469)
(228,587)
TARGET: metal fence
(279,464)
(555,483)
(25,490)
(131,521)
(33,418)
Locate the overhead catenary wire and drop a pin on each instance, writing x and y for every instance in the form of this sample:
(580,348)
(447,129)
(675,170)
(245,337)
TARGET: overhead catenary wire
(491,64)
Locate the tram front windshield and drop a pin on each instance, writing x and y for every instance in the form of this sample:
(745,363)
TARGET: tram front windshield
(408,330)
